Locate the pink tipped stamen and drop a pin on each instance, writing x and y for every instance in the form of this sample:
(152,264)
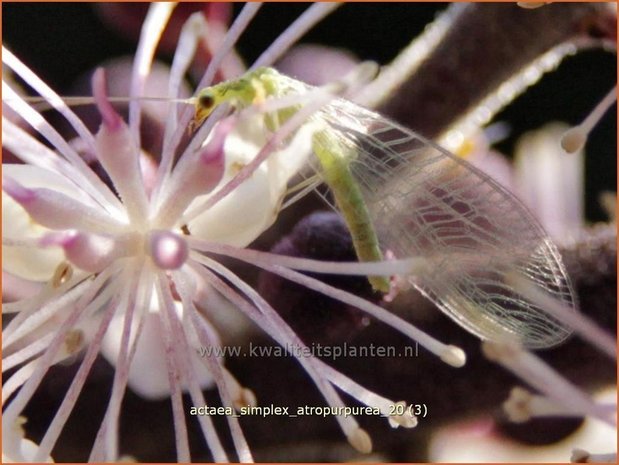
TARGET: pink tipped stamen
(32,152)
(109,116)
(119,154)
(22,195)
(198,175)
(54,210)
(169,251)
(83,173)
(89,252)
(213,153)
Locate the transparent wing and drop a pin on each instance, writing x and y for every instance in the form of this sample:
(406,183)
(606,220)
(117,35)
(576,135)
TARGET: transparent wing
(426,202)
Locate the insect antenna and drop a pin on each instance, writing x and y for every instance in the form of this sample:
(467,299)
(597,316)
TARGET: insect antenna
(42,104)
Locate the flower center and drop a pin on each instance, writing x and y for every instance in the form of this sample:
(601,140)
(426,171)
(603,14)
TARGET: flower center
(169,251)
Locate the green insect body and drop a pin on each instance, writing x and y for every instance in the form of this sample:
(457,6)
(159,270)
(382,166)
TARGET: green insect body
(333,156)
(349,200)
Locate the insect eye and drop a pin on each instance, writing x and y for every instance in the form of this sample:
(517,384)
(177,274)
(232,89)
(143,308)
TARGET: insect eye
(206,101)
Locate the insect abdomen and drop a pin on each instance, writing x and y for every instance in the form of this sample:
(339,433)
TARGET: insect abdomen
(351,204)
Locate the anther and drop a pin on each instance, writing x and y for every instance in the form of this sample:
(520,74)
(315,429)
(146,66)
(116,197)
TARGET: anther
(62,274)
(531,5)
(360,440)
(453,356)
(575,138)
(406,420)
(74,341)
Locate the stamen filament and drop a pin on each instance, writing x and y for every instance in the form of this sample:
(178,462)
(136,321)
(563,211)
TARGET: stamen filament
(177,376)
(584,326)
(155,22)
(68,403)
(47,359)
(207,338)
(105,447)
(206,424)
(367,397)
(575,138)
(405,267)
(284,335)
(25,353)
(450,354)
(48,95)
(35,318)
(35,303)
(310,17)
(192,33)
(196,177)
(107,199)
(171,143)
(535,372)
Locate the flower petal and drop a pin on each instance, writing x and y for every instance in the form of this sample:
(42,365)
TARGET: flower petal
(148,374)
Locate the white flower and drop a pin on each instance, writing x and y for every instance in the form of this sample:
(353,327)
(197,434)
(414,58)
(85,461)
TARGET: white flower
(121,267)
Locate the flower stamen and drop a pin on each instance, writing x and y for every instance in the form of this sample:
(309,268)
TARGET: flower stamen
(575,138)
(55,210)
(535,372)
(63,273)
